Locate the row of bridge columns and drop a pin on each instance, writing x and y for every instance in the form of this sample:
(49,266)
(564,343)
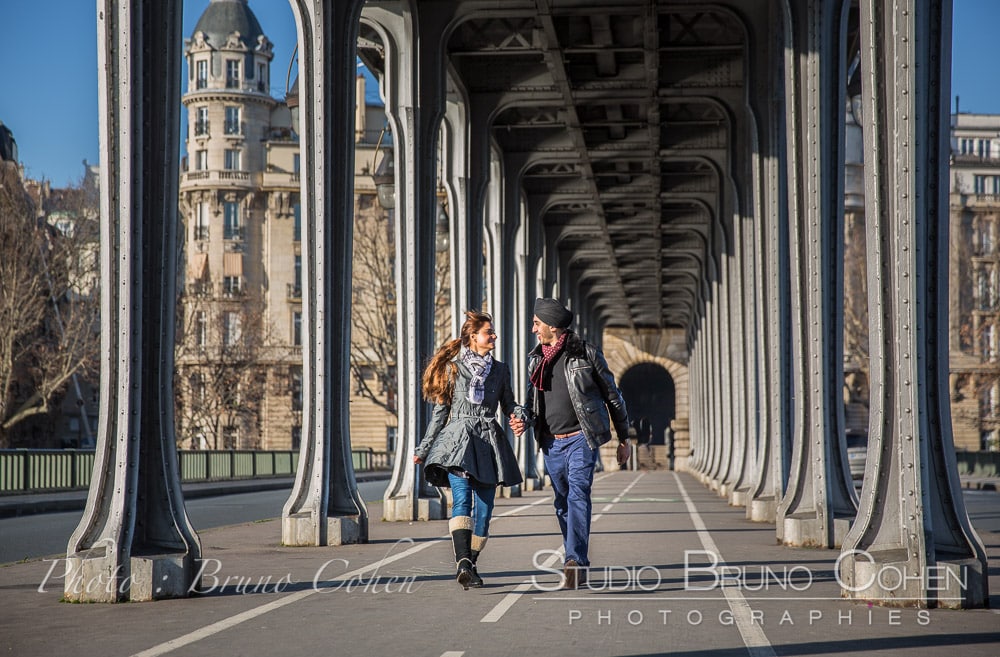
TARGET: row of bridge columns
(907,540)
(765,418)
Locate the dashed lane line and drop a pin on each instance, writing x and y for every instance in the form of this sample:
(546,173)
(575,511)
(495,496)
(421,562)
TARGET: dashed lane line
(511,598)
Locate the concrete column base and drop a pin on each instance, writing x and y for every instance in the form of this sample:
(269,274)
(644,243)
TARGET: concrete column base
(162,576)
(802,531)
(886,578)
(398,509)
(532,483)
(762,509)
(301,530)
(90,577)
(739,497)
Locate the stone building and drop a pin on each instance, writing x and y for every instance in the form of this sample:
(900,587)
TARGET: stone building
(975,280)
(239,356)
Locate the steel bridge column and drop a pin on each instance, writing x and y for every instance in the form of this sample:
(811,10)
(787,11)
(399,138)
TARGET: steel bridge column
(820,503)
(773,323)
(134,541)
(742,349)
(912,544)
(742,479)
(457,184)
(513,307)
(324,507)
(415,102)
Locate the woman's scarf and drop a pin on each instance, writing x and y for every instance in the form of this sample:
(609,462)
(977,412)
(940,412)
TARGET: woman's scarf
(549,354)
(480,368)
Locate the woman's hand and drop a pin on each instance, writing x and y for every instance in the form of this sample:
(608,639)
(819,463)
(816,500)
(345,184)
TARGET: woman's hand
(417,459)
(516,425)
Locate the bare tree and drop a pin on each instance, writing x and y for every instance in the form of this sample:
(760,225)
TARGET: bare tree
(373,307)
(223,353)
(373,311)
(48,299)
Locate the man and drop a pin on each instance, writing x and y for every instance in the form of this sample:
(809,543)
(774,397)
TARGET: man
(574,400)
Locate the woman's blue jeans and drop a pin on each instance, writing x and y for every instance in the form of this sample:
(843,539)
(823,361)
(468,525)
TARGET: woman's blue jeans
(464,495)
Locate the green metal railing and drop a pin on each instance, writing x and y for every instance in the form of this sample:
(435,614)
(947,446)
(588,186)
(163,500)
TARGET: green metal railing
(31,470)
(978,464)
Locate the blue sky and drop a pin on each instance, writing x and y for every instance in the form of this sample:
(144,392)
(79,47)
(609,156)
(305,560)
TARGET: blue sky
(48,81)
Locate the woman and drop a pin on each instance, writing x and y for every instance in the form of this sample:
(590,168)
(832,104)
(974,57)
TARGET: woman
(464,447)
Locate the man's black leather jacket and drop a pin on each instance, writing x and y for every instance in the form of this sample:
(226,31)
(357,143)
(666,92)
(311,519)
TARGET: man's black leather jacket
(596,398)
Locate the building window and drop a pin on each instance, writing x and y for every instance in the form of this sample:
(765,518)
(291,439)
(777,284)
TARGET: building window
(390,439)
(295,379)
(296,437)
(262,78)
(232,228)
(201,122)
(297,269)
(296,328)
(201,78)
(201,328)
(232,162)
(230,436)
(197,384)
(232,285)
(201,222)
(201,160)
(232,328)
(983,148)
(297,223)
(232,74)
(232,126)
(296,160)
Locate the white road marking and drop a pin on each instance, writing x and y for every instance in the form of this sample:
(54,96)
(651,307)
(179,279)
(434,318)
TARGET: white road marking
(751,632)
(511,598)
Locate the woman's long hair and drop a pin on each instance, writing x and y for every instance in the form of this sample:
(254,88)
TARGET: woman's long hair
(439,377)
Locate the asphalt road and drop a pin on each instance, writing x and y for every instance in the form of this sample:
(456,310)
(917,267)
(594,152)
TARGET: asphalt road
(46,535)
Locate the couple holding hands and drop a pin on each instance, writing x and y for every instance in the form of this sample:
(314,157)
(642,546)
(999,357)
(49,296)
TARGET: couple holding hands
(572,403)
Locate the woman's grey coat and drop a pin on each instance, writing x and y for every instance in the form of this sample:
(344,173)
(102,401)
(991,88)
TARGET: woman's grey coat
(466,436)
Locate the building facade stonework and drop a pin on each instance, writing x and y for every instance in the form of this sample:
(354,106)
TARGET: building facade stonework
(239,355)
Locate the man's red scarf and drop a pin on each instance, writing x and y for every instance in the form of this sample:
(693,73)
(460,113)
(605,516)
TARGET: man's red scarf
(549,354)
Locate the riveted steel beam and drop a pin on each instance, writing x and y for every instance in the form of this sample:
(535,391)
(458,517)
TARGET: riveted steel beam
(324,507)
(134,541)
(819,503)
(415,104)
(912,544)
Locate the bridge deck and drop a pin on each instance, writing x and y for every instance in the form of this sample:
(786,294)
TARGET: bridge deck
(396,596)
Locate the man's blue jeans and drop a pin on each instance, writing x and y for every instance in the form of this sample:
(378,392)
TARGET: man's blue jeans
(570,465)
(465,493)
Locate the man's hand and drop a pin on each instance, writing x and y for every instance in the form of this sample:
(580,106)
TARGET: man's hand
(417,459)
(516,425)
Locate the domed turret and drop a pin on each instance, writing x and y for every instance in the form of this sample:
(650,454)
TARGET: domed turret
(224,17)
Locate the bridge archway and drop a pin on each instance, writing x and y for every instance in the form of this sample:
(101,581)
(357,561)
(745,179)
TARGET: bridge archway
(648,389)
(661,383)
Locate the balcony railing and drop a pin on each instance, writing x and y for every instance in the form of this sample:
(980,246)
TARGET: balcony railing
(200,233)
(201,128)
(237,128)
(294,292)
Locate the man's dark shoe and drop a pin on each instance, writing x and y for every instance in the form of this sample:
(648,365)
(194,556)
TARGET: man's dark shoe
(574,575)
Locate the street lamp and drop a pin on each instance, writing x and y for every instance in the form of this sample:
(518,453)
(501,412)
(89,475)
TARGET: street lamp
(441,228)
(385,177)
